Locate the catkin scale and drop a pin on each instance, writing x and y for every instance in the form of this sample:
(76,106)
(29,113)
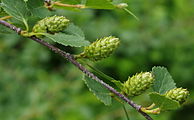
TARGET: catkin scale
(138,83)
(102,48)
(52,24)
(178,94)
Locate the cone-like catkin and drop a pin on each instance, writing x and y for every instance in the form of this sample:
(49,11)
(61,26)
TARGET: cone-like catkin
(52,24)
(101,48)
(178,94)
(138,83)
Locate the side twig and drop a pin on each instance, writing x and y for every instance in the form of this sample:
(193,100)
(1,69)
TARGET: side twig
(68,5)
(70,58)
(49,4)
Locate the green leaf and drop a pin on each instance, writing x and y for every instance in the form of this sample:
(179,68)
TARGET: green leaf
(163,80)
(68,40)
(163,103)
(40,12)
(37,12)
(72,36)
(37,9)
(98,90)
(16,8)
(100,4)
(74,30)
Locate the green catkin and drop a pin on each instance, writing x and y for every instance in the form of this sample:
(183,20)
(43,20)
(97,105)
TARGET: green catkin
(138,84)
(101,48)
(52,24)
(178,94)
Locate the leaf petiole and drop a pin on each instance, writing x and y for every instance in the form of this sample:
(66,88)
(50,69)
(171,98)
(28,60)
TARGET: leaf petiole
(26,24)
(29,34)
(126,112)
(5,17)
(152,111)
(128,11)
(68,5)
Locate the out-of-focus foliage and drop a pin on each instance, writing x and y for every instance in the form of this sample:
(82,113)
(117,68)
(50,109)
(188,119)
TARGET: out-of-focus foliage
(36,84)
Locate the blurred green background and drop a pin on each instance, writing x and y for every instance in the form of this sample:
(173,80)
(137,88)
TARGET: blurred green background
(36,84)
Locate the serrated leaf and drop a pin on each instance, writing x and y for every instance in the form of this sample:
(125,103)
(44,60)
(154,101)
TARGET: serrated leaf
(16,8)
(68,40)
(72,36)
(40,12)
(163,80)
(100,4)
(74,30)
(37,9)
(163,103)
(98,90)
(31,4)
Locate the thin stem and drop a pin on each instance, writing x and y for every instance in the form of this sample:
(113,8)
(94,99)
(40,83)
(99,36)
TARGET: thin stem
(131,13)
(151,106)
(26,24)
(29,34)
(71,59)
(126,112)
(152,111)
(68,5)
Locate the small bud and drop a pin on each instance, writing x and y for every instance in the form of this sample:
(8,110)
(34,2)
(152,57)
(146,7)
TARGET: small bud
(138,83)
(101,48)
(52,24)
(178,94)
